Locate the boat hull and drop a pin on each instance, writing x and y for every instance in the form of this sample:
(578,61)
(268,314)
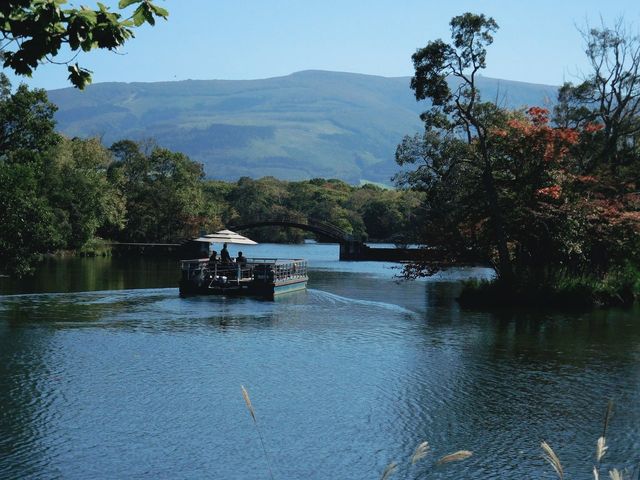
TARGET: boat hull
(254,289)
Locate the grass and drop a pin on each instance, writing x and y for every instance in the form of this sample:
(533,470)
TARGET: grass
(620,287)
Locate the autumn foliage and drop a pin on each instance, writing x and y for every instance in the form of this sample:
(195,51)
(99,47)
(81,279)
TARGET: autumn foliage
(550,199)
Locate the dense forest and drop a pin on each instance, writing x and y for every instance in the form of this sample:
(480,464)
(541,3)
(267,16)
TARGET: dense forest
(64,193)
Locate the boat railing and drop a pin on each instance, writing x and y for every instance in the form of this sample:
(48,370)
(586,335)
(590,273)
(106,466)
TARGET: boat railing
(275,270)
(264,269)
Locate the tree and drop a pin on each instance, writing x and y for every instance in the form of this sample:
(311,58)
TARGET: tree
(163,190)
(26,136)
(28,222)
(457,126)
(506,185)
(77,187)
(33,31)
(27,128)
(608,96)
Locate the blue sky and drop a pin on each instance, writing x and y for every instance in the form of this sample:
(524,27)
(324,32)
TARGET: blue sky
(538,41)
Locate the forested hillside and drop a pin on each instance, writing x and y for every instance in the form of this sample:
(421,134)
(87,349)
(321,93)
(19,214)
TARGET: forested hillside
(305,125)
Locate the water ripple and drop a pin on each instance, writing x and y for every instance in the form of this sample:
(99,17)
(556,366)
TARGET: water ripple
(141,383)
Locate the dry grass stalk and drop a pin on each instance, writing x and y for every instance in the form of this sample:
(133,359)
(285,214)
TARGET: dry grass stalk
(550,456)
(454,457)
(420,452)
(607,417)
(389,470)
(601,449)
(247,400)
(615,474)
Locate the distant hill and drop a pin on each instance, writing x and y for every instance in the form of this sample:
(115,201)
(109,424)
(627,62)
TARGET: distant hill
(304,125)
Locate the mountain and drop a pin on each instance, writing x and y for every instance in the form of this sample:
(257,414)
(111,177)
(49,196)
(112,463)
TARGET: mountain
(304,125)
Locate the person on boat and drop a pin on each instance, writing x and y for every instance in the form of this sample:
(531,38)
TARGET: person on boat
(241,259)
(224,255)
(213,258)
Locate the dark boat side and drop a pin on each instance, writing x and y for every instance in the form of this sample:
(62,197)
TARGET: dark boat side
(263,277)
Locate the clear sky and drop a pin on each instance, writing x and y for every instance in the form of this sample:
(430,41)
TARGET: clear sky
(538,40)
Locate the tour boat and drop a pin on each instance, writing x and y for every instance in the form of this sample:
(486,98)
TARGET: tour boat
(262,277)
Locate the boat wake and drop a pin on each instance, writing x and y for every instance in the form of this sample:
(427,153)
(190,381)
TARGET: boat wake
(331,298)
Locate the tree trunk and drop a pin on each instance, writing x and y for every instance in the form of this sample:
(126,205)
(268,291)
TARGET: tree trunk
(505,269)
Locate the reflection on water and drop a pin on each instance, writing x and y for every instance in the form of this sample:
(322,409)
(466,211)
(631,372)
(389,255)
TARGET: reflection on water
(106,373)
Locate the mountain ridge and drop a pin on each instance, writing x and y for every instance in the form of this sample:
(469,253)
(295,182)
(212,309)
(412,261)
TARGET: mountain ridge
(312,123)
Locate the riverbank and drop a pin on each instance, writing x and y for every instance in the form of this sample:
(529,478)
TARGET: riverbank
(618,288)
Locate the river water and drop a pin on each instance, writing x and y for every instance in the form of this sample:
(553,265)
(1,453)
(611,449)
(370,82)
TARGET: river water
(106,373)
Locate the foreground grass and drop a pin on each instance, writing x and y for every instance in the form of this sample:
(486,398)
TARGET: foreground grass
(423,450)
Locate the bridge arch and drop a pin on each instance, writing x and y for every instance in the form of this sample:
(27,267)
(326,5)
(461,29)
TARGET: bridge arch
(315,226)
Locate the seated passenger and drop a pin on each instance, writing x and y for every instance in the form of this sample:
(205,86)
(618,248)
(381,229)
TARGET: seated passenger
(224,255)
(213,259)
(240,259)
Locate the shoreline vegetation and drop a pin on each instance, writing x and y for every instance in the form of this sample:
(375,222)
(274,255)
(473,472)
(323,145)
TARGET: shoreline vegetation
(619,288)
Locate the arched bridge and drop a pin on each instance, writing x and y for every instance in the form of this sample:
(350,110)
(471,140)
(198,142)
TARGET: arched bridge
(350,247)
(318,227)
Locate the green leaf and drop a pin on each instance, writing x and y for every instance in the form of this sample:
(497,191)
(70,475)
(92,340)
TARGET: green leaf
(139,16)
(88,16)
(159,11)
(126,3)
(79,77)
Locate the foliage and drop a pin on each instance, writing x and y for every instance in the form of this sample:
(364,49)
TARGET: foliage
(609,97)
(163,191)
(513,188)
(28,222)
(456,142)
(54,191)
(367,211)
(27,219)
(79,191)
(32,31)
(27,128)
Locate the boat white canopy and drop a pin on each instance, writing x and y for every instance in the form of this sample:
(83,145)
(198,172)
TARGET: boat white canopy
(226,236)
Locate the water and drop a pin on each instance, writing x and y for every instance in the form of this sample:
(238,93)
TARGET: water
(106,373)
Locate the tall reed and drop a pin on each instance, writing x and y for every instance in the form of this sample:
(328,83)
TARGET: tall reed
(247,400)
(601,449)
(421,452)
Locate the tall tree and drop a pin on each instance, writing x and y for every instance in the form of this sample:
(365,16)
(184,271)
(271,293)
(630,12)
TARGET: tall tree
(26,136)
(35,31)
(608,95)
(458,125)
